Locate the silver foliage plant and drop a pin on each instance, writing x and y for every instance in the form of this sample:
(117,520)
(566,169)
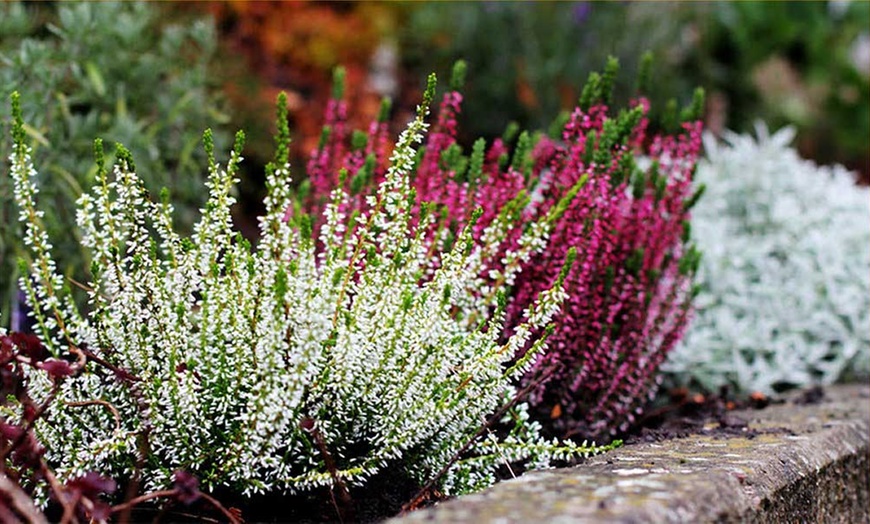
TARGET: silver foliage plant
(785,275)
(284,367)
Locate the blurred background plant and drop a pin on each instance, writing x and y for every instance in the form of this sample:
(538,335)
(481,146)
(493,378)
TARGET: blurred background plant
(293,46)
(805,64)
(110,70)
(529,60)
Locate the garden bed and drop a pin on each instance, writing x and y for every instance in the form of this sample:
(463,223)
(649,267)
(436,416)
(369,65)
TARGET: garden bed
(803,460)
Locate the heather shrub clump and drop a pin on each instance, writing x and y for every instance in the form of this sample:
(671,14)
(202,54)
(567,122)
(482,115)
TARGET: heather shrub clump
(617,195)
(284,367)
(785,278)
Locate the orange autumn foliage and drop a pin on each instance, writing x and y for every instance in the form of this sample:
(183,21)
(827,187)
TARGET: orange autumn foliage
(294,46)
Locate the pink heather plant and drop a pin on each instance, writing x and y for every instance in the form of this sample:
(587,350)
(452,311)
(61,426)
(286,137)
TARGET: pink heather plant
(630,290)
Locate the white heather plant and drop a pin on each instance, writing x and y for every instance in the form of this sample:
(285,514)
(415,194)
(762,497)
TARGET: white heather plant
(785,274)
(278,368)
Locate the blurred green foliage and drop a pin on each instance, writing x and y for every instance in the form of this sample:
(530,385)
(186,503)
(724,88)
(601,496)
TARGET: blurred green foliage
(528,60)
(799,63)
(109,70)
(796,63)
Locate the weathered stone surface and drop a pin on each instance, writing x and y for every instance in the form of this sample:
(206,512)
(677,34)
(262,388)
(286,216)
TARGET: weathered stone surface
(808,463)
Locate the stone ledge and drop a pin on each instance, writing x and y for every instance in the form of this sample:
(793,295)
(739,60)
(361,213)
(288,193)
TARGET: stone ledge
(806,463)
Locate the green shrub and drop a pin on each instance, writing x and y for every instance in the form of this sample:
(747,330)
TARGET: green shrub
(110,70)
(531,78)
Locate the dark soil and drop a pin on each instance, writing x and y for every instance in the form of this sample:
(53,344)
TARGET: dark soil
(691,414)
(381,497)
